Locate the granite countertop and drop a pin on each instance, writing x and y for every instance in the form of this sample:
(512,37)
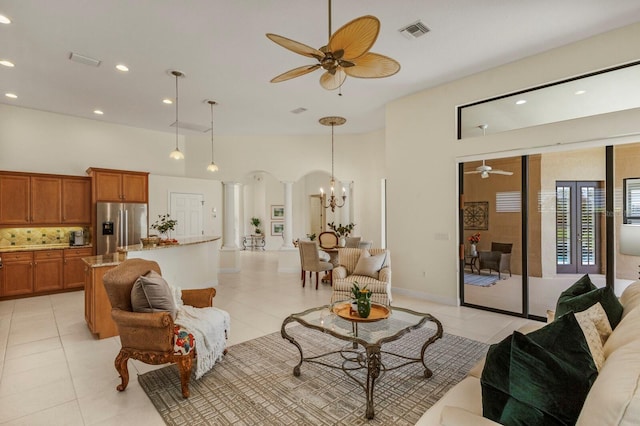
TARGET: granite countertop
(8,249)
(104,260)
(181,242)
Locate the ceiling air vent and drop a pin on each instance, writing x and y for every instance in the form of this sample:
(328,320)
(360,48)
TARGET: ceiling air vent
(415,30)
(82,59)
(298,110)
(190,126)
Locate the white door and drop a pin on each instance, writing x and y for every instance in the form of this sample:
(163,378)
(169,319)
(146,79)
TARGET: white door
(187,210)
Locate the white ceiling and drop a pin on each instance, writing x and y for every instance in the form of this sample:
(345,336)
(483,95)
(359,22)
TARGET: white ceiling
(222,49)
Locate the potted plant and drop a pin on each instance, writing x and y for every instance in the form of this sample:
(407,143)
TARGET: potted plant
(256,222)
(341,231)
(164,224)
(363,299)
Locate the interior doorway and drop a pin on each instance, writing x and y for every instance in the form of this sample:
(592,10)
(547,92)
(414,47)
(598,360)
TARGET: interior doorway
(187,210)
(317,217)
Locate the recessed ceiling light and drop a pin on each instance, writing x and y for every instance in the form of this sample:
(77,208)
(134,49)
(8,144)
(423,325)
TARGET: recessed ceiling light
(581,92)
(7,63)
(98,112)
(11,95)
(167,101)
(4,20)
(521,101)
(122,67)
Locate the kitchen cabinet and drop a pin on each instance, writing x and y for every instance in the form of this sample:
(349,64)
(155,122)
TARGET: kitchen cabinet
(119,185)
(15,199)
(48,270)
(17,273)
(76,200)
(34,199)
(74,267)
(97,308)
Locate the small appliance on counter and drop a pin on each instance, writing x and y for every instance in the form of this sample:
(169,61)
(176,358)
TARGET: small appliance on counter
(76,238)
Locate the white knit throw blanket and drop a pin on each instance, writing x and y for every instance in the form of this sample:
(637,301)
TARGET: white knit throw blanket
(209,327)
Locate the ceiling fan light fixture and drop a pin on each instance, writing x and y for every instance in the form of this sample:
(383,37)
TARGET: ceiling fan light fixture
(484,175)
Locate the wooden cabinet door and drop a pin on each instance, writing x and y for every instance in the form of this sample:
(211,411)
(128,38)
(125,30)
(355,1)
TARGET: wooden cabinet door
(47,275)
(134,188)
(46,200)
(14,200)
(74,267)
(76,201)
(17,273)
(108,186)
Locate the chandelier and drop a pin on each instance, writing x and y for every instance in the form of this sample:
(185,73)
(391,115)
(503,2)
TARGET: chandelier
(212,167)
(176,154)
(333,200)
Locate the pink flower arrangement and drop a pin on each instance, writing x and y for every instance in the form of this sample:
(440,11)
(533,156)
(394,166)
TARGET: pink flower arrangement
(474,239)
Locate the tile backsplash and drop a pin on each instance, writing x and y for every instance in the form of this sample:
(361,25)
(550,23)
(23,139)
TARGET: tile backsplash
(39,236)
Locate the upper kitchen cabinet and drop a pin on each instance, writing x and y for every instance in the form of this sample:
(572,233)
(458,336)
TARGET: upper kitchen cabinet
(15,199)
(119,185)
(46,200)
(76,200)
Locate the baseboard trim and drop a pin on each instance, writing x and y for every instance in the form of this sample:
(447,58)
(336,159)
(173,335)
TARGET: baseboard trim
(452,301)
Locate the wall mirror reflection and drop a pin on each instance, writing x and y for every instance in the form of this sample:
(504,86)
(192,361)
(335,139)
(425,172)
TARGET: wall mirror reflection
(613,89)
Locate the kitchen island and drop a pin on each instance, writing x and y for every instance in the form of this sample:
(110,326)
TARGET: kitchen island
(191,263)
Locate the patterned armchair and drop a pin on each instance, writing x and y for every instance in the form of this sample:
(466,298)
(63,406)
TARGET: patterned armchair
(150,337)
(368,267)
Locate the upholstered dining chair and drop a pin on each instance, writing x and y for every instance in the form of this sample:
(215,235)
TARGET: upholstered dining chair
(311,262)
(150,337)
(498,259)
(328,239)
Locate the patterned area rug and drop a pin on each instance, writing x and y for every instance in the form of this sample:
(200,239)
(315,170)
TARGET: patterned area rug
(480,280)
(254,384)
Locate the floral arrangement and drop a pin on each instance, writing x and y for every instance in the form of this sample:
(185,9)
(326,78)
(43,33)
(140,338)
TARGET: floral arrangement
(474,239)
(164,223)
(341,231)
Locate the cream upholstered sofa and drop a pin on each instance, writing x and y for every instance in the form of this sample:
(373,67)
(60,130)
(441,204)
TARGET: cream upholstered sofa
(370,267)
(614,398)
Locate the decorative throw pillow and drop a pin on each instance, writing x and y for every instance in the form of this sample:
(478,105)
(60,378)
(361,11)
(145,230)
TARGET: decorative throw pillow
(582,286)
(580,302)
(369,265)
(151,293)
(596,329)
(541,378)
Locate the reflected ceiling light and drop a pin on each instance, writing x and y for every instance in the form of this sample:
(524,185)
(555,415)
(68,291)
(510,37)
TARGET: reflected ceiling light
(212,167)
(176,154)
(167,101)
(98,112)
(7,63)
(333,201)
(11,95)
(122,67)
(4,20)
(521,102)
(581,92)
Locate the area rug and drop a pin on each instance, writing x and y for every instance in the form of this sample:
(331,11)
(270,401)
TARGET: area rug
(254,384)
(480,280)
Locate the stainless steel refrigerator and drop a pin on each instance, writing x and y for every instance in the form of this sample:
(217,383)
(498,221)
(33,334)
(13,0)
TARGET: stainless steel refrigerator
(120,224)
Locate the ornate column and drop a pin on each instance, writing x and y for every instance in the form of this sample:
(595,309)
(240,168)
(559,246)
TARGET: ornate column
(230,254)
(288,216)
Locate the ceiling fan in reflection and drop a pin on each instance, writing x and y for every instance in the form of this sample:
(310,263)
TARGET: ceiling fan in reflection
(484,170)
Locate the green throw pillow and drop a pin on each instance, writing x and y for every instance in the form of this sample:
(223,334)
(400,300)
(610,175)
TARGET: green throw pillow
(581,302)
(538,379)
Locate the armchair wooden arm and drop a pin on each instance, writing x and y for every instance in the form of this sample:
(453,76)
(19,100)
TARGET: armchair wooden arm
(199,298)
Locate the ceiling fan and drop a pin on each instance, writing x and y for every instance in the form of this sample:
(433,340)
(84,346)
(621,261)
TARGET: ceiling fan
(346,54)
(485,170)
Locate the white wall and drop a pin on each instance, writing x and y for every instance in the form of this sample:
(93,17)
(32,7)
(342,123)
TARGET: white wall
(422,152)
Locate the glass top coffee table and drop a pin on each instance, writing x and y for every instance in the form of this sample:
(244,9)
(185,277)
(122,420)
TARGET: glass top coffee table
(365,338)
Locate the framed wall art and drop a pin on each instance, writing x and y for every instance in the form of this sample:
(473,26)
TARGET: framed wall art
(277,228)
(277,212)
(476,215)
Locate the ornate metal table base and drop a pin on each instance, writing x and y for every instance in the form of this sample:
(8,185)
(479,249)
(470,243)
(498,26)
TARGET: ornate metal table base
(369,357)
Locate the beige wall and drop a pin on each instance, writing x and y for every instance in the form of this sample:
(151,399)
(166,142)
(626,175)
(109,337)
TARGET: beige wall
(422,152)
(627,165)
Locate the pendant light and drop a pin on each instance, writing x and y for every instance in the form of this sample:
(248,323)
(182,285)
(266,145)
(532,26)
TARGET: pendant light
(177,154)
(212,167)
(333,200)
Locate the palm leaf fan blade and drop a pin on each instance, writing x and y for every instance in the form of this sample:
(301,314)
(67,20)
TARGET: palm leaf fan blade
(332,81)
(355,37)
(373,65)
(296,72)
(296,47)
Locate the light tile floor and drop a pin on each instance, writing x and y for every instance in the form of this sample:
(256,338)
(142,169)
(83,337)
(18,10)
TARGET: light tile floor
(53,371)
